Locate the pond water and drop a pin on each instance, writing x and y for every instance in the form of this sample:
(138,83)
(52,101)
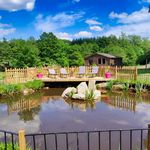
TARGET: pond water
(46,111)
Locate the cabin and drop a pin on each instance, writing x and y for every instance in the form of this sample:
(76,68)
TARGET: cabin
(103,59)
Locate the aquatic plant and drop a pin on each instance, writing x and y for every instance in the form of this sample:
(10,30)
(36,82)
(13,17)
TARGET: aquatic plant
(139,87)
(71,94)
(89,95)
(109,85)
(126,86)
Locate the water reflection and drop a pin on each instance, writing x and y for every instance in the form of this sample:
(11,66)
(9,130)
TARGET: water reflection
(81,105)
(29,106)
(121,101)
(46,110)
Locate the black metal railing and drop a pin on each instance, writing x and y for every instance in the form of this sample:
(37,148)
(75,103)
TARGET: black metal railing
(7,137)
(127,139)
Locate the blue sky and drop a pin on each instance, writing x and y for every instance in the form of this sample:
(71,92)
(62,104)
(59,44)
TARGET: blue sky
(69,19)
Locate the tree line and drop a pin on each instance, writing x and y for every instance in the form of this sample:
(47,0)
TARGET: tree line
(50,50)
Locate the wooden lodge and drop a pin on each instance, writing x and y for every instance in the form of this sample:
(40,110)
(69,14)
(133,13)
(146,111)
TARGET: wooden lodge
(103,59)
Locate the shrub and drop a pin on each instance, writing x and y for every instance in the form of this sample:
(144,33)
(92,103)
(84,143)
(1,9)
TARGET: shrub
(35,85)
(18,88)
(109,85)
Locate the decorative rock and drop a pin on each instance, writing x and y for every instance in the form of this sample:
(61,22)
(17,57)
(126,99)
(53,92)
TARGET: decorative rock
(97,94)
(82,92)
(82,88)
(102,85)
(27,91)
(79,96)
(67,91)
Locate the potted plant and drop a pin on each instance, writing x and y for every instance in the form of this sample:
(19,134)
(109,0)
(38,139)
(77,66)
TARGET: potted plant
(107,74)
(39,73)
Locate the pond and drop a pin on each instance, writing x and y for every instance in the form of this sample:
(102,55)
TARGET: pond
(46,111)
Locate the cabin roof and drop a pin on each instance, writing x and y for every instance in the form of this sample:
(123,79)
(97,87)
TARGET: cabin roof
(103,54)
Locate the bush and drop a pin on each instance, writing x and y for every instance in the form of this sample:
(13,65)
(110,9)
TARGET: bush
(11,89)
(18,88)
(109,85)
(35,85)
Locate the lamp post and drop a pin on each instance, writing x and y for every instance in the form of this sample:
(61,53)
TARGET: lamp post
(149,9)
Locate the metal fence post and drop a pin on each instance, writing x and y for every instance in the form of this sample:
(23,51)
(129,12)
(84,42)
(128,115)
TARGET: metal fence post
(22,140)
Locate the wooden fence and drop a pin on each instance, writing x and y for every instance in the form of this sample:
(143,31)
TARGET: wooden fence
(28,74)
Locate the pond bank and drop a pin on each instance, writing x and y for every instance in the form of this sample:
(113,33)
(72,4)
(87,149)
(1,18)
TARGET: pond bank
(20,88)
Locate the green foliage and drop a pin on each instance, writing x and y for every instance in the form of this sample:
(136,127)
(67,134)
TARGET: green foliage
(71,94)
(126,86)
(109,85)
(35,85)
(139,87)
(49,50)
(9,146)
(18,88)
(89,95)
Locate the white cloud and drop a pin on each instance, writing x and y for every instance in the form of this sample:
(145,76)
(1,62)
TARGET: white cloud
(4,32)
(136,23)
(64,35)
(80,34)
(5,29)
(96,28)
(53,23)
(142,29)
(75,1)
(120,16)
(146,1)
(143,114)
(14,5)
(83,34)
(92,22)
(135,17)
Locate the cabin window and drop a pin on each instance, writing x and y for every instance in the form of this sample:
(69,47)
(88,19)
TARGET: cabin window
(91,61)
(104,61)
(99,61)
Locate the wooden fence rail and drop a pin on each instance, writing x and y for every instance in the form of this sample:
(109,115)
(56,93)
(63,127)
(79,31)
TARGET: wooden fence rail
(28,74)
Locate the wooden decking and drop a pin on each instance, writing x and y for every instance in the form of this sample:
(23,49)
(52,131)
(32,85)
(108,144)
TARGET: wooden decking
(74,79)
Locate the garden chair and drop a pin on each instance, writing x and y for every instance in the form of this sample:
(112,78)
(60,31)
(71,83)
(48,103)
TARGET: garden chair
(94,71)
(63,72)
(52,73)
(81,71)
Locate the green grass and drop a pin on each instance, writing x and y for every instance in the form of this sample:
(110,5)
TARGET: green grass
(9,146)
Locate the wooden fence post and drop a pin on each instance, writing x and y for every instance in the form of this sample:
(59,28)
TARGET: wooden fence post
(116,72)
(22,140)
(135,74)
